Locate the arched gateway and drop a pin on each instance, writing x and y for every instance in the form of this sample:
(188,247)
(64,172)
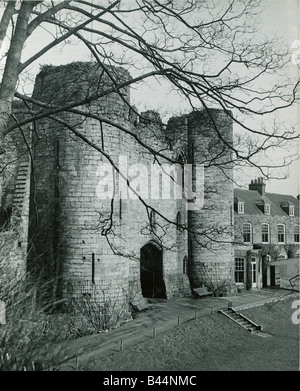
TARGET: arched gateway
(151,271)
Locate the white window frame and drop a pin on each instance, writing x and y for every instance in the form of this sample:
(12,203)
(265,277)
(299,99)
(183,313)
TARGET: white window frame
(292,210)
(263,233)
(241,207)
(267,209)
(250,232)
(240,269)
(280,233)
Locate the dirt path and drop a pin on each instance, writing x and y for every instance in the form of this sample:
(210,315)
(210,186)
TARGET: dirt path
(214,343)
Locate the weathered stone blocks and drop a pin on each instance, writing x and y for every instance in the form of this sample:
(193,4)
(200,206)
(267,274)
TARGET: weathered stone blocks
(72,234)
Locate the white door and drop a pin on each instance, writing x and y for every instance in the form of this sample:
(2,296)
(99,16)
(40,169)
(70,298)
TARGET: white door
(253,273)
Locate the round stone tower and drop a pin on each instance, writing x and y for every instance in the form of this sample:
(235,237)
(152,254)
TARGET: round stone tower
(211,223)
(67,251)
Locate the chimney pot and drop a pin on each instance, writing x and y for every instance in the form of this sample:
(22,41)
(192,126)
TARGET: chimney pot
(258,185)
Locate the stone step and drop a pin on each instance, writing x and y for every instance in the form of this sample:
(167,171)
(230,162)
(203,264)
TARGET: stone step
(17,204)
(244,322)
(18,196)
(229,312)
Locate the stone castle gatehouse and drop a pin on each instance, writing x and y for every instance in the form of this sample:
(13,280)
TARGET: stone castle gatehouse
(117,248)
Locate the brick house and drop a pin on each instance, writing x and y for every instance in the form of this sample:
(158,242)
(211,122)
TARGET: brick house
(266,237)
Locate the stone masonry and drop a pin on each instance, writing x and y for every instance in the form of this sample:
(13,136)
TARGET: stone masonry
(74,243)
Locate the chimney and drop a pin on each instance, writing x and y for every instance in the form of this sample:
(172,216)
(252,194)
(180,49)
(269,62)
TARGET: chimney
(258,185)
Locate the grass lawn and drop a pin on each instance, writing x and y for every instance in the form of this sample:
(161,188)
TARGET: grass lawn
(215,343)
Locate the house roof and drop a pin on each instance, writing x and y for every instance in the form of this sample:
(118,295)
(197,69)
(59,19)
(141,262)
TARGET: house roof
(252,198)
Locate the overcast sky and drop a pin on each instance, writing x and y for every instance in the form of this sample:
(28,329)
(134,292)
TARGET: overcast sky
(283,16)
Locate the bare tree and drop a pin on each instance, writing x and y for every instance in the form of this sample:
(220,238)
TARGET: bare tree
(176,41)
(206,53)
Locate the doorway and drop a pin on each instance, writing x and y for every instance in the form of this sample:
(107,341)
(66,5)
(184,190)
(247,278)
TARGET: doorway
(272,276)
(253,274)
(151,271)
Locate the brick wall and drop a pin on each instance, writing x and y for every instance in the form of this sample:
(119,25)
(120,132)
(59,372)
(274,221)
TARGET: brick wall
(258,220)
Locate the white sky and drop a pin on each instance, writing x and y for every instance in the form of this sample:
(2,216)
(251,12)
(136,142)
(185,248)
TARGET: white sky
(283,16)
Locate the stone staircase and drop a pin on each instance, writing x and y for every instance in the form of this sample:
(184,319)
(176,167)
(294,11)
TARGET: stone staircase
(21,183)
(242,321)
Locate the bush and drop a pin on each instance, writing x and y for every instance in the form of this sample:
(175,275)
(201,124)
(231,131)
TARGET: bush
(29,335)
(100,310)
(215,281)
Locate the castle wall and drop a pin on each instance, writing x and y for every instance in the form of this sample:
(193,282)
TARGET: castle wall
(83,244)
(67,237)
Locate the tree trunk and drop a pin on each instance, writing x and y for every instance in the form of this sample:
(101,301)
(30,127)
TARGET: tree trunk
(7,14)
(12,67)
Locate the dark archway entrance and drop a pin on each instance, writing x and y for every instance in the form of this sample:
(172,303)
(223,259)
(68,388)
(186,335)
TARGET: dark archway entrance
(151,265)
